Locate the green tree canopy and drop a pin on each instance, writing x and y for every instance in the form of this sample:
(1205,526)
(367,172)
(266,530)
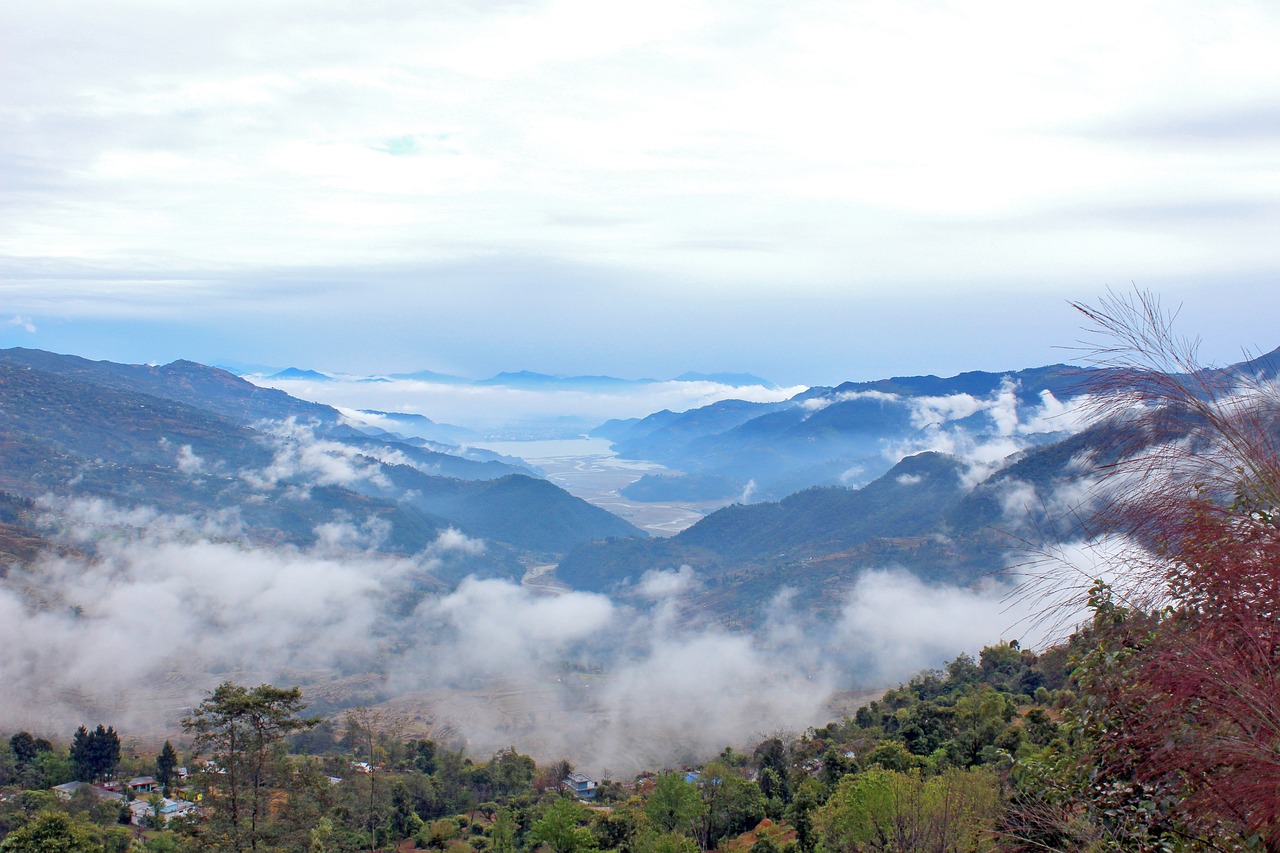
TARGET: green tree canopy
(243,728)
(674,804)
(95,754)
(560,828)
(51,832)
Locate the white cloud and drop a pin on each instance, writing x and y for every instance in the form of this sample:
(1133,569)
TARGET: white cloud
(817,404)
(661,143)
(188,461)
(162,613)
(300,454)
(985,451)
(894,624)
(658,584)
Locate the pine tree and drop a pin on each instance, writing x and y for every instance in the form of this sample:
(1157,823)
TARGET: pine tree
(243,728)
(166,761)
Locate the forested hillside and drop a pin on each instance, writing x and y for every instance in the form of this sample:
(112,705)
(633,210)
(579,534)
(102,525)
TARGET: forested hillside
(198,440)
(1151,725)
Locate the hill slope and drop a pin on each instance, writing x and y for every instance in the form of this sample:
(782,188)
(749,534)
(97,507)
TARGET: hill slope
(83,430)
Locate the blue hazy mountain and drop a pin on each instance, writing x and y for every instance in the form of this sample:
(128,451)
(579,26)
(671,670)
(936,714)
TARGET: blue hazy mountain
(422,426)
(546,381)
(188,438)
(825,435)
(431,376)
(738,380)
(299,373)
(958,517)
(922,516)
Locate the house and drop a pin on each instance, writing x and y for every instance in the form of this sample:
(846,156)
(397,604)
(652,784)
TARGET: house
(581,786)
(143,785)
(169,809)
(68,790)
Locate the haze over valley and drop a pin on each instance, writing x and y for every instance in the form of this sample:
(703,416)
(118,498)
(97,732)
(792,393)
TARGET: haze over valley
(762,419)
(169,527)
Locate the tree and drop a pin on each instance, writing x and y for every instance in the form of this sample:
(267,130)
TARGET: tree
(23,745)
(885,810)
(510,772)
(156,819)
(674,804)
(560,828)
(243,728)
(808,797)
(166,761)
(732,804)
(502,832)
(771,755)
(51,832)
(95,754)
(653,842)
(365,729)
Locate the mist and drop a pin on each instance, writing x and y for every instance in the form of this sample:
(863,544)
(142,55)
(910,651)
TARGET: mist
(499,408)
(169,606)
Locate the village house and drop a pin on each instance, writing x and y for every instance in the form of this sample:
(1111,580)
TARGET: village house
(143,785)
(581,786)
(141,810)
(68,790)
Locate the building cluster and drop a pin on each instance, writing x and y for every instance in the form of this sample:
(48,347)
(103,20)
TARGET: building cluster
(137,794)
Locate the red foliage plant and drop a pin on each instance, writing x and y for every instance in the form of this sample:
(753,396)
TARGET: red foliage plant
(1191,696)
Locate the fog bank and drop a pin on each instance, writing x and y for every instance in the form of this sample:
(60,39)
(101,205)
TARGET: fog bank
(170,606)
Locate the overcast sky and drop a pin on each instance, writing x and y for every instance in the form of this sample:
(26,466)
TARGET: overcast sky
(809,191)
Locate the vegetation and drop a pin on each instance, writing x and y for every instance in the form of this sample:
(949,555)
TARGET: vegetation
(95,754)
(1154,727)
(936,752)
(243,729)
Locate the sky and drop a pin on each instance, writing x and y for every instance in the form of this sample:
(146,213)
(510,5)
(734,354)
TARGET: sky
(809,191)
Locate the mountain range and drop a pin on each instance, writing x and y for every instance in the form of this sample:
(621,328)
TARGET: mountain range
(944,477)
(843,435)
(191,439)
(952,479)
(522,379)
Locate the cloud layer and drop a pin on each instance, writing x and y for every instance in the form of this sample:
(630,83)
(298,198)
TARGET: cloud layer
(488,186)
(172,605)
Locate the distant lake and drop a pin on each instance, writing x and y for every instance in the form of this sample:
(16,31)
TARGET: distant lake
(589,469)
(557,448)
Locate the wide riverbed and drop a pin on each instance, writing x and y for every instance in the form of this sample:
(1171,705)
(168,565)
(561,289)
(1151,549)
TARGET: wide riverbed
(589,469)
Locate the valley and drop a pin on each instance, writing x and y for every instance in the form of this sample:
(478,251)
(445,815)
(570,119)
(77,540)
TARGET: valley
(589,469)
(490,586)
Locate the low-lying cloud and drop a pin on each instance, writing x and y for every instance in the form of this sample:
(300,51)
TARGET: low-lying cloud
(169,606)
(299,454)
(1006,427)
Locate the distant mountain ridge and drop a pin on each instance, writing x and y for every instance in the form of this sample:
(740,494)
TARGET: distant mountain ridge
(739,380)
(188,382)
(523,379)
(958,517)
(298,373)
(828,435)
(187,438)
